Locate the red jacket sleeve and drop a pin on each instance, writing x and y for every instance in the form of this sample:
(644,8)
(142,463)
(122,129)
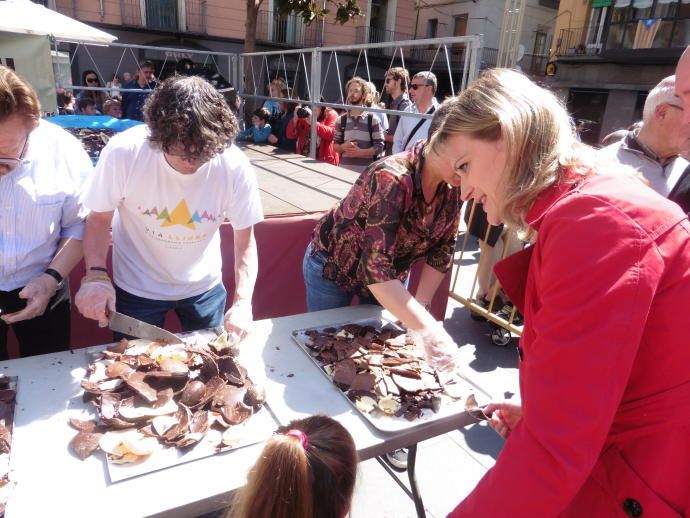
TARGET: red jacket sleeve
(326,128)
(591,283)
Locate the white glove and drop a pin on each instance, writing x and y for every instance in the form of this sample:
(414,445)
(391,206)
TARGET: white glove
(95,299)
(440,350)
(37,294)
(238,321)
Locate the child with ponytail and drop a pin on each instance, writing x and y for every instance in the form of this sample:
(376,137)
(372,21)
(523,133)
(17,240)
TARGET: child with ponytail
(306,470)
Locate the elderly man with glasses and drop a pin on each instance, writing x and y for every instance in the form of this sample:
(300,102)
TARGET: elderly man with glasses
(412,129)
(166,187)
(41,222)
(654,148)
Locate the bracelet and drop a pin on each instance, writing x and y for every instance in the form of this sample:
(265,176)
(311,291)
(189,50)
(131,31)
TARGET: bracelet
(96,278)
(99,269)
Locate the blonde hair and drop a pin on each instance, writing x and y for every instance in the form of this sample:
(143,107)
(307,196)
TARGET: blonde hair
(539,136)
(310,479)
(18,97)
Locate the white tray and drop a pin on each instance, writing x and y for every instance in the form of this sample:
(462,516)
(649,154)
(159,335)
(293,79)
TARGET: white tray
(259,428)
(387,423)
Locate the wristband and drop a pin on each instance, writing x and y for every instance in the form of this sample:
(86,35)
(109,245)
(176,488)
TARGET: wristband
(99,269)
(55,275)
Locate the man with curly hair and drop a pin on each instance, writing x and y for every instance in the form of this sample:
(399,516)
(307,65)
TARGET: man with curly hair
(166,187)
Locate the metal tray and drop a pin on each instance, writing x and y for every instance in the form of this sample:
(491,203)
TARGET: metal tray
(379,420)
(258,428)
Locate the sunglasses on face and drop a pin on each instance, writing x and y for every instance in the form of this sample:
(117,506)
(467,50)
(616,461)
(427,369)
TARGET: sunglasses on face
(92,80)
(13,163)
(415,86)
(676,107)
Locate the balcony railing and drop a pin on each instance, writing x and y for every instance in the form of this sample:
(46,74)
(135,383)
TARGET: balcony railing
(365,35)
(164,15)
(289,30)
(578,42)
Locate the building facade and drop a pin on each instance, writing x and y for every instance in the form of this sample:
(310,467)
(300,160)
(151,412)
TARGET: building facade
(610,53)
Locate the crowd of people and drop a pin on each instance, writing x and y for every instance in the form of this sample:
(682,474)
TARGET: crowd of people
(112,98)
(601,427)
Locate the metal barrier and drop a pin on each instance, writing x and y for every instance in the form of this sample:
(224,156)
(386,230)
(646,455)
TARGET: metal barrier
(307,69)
(504,320)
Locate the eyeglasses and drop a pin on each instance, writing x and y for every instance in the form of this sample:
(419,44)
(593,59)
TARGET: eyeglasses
(92,80)
(415,86)
(676,107)
(13,163)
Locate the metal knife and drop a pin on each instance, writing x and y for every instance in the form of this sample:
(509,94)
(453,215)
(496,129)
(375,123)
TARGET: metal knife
(133,327)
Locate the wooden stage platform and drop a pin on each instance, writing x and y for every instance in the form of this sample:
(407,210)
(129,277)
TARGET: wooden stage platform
(296,184)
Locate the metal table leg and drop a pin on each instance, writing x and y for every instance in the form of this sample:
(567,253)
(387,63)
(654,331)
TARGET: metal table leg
(413,492)
(416,497)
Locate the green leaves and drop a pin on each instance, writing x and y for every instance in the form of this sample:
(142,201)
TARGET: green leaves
(309,11)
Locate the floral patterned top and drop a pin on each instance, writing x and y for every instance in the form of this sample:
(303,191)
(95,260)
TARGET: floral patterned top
(384,225)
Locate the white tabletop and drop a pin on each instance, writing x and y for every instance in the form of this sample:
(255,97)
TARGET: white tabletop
(51,481)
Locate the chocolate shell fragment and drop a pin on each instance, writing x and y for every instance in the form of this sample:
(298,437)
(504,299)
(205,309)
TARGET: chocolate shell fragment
(151,395)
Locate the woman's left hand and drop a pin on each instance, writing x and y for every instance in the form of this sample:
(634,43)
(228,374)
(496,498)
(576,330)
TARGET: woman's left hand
(504,416)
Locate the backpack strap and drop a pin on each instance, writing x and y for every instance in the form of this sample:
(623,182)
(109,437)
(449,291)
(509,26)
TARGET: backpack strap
(370,124)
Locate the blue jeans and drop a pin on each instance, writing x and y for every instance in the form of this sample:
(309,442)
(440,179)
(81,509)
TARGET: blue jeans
(199,312)
(323,293)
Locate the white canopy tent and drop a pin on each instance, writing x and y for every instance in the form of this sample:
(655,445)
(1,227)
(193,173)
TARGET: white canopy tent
(25,29)
(26,17)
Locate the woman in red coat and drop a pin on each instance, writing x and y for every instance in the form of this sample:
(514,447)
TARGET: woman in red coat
(603,429)
(300,128)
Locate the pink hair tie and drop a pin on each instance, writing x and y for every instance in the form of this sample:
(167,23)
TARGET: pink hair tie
(299,434)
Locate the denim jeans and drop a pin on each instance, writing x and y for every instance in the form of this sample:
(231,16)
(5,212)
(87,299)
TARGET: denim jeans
(323,293)
(199,312)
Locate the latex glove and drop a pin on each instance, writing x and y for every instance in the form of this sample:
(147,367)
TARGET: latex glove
(37,294)
(95,299)
(238,321)
(440,350)
(505,415)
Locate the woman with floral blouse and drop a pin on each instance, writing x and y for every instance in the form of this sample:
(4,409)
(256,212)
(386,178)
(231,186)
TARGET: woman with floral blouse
(403,208)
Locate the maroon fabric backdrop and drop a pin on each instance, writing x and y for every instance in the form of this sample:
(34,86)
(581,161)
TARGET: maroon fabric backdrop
(279,291)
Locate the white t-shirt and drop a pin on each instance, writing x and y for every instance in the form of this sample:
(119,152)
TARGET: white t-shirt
(166,244)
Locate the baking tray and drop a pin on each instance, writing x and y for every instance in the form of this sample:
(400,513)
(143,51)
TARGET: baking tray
(258,428)
(8,402)
(379,420)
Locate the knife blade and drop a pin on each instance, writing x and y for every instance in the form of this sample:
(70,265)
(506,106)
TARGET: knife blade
(133,327)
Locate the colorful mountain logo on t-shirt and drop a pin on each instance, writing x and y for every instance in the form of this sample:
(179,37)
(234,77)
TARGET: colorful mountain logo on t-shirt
(180,215)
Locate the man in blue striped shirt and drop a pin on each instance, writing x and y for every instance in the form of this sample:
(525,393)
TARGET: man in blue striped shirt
(41,220)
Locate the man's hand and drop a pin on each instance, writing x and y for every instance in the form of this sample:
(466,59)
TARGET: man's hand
(37,294)
(95,299)
(238,320)
(505,416)
(351,148)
